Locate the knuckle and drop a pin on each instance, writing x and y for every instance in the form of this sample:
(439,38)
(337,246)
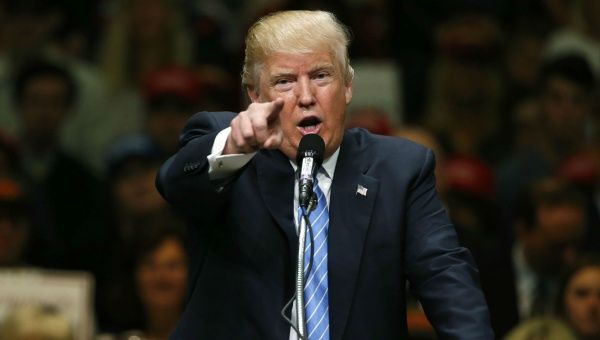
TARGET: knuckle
(247,134)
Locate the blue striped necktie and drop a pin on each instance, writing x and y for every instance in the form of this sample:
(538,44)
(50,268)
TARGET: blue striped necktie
(316,298)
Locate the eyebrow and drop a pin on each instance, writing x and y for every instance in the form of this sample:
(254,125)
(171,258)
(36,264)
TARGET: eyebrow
(323,67)
(319,67)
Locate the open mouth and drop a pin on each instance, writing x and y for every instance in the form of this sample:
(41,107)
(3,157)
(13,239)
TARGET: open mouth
(309,125)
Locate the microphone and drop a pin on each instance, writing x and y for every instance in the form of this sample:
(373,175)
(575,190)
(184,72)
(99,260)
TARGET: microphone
(309,159)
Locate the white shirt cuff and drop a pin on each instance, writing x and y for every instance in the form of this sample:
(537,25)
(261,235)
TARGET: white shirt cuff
(222,166)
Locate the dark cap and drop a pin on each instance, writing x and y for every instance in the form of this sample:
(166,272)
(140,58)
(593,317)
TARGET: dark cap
(136,146)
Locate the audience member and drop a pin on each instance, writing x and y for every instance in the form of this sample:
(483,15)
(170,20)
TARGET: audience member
(565,97)
(67,232)
(140,36)
(29,32)
(579,298)
(132,165)
(582,169)
(469,196)
(171,95)
(148,291)
(577,311)
(465,87)
(521,66)
(549,228)
(580,36)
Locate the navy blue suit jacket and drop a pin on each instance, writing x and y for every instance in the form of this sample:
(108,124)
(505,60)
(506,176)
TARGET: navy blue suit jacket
(245,242)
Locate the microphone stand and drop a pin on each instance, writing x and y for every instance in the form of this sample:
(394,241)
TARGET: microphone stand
(300,279)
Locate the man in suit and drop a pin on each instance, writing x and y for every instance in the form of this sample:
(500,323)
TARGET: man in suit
(234,177)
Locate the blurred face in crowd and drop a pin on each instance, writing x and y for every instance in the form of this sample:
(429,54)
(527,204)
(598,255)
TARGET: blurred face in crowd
(468,87)
(165,122)
(582,302)
(43,109)
(523,59)
(565,107)
(134,189)
(551,244)
(314,93)
(161,276)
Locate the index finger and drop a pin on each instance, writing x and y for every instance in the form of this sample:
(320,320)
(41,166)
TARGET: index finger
(275,110)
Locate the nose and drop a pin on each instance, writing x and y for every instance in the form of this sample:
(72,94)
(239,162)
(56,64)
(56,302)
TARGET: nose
(305,93)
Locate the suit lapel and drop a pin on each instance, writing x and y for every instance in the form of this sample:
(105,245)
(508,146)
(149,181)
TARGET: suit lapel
(351,207)
(276,185)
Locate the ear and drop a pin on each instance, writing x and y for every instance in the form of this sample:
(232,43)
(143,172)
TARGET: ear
(348,92)
(252,93)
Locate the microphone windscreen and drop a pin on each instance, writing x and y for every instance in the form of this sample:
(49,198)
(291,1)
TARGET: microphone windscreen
(312,144)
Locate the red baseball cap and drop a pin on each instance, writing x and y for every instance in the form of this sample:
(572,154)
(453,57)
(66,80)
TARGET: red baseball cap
(469,175)
(580,168)
(176,81)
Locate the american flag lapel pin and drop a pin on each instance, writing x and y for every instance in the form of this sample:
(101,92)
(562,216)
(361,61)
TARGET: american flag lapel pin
(360,190)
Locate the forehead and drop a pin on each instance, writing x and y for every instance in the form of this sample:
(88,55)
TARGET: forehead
(298,62)
(46,83)
(588,275)
(560,84)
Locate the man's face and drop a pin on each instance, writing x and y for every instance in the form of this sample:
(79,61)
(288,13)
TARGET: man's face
(44,107)
(565,106)
(551,244)
(314,93)
(134,190)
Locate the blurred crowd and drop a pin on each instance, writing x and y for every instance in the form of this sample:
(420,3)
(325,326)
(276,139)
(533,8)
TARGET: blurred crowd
(93,95)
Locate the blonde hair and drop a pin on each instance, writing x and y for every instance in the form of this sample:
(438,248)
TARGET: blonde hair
(295,32)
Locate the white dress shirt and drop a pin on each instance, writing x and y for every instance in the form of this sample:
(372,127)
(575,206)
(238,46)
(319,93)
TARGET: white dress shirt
(526,282)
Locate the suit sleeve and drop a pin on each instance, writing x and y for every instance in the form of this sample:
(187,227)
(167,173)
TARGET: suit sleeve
(183,179)
(442,274)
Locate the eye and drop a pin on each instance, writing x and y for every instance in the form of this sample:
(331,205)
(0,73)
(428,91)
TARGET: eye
(581,293)
(282,84)
(322,75)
